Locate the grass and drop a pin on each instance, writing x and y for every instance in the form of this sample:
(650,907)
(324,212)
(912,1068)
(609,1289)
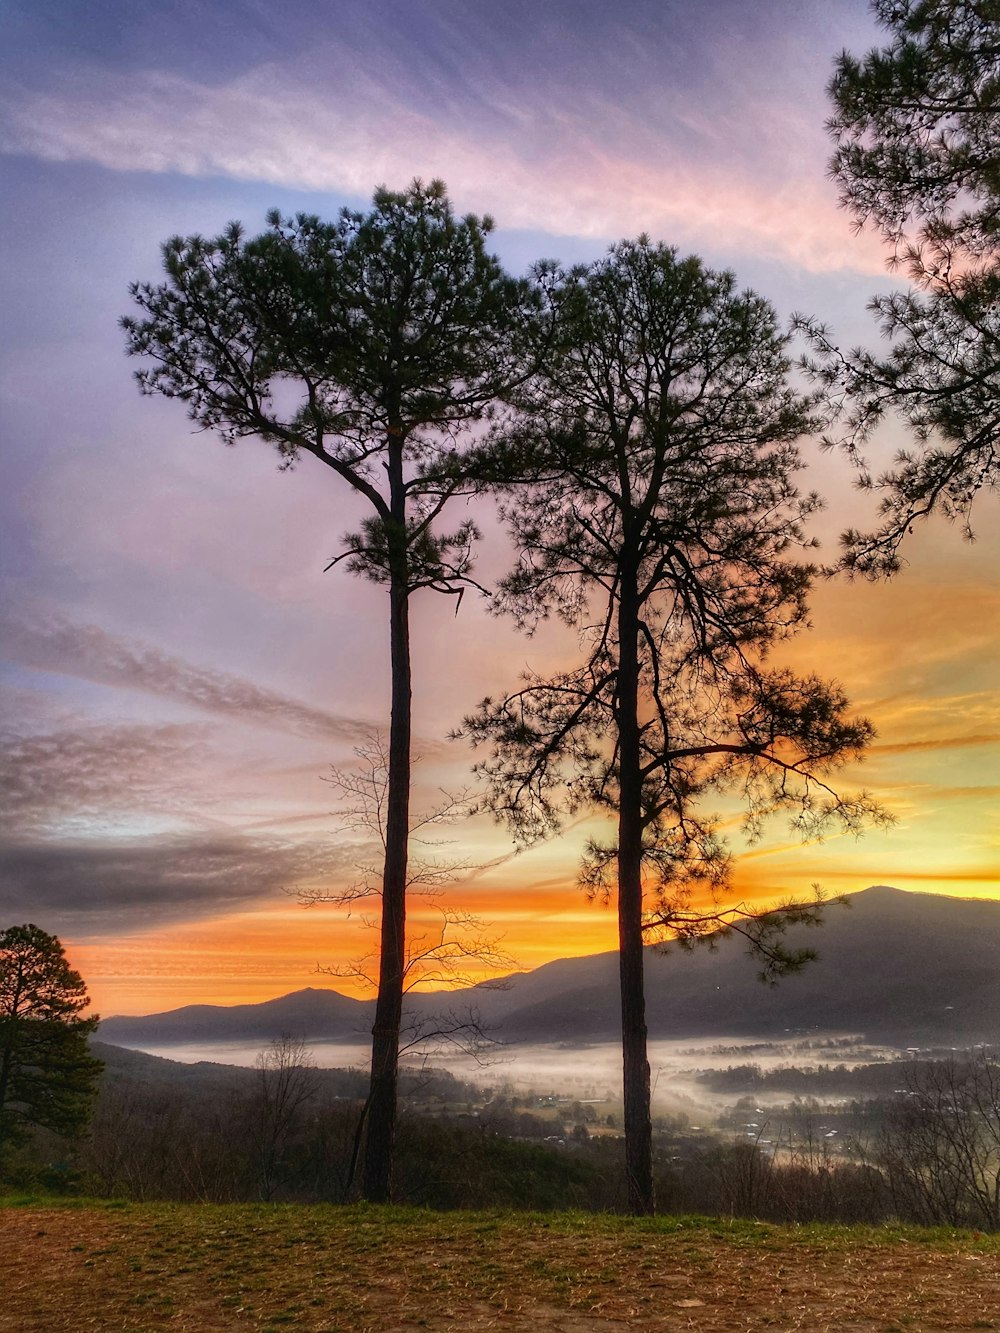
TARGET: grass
(70,1266)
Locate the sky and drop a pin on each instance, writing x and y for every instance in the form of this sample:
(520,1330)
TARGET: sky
(178,675)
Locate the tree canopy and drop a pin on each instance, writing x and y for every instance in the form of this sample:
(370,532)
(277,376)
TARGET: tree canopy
(917,132)
(915,125)
(371,343)
(47,1074)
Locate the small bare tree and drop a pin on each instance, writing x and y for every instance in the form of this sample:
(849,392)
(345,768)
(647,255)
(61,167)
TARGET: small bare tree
(939,1145)
(454,949)
(286,1082)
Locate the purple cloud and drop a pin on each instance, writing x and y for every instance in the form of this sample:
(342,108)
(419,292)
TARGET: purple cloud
(91,653)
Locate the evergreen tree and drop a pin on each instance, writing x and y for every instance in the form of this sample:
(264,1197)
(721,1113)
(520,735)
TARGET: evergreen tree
(391,334)
(663,522)
(47,1073)
(917,132)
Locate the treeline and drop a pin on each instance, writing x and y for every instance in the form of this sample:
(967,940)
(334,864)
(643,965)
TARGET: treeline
(880,1079)
(929,1153)
(927,1150)
(288,1132)
(217,1140)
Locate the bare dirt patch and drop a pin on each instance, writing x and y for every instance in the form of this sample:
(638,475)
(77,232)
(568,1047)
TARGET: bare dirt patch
(335,1270)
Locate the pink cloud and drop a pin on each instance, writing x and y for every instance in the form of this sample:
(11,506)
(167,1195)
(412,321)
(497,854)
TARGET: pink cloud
(581,172)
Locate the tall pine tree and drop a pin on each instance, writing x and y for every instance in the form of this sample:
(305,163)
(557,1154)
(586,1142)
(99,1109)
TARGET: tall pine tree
(664,523)
(391,333)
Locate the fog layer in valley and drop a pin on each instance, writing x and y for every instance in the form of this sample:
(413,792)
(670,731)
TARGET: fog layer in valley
(585,1072)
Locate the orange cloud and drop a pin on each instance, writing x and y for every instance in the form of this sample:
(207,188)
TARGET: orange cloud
(944,743)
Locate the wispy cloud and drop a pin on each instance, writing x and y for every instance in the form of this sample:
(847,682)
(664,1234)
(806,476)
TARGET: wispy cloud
(583,165)
(96,773)
(120,827)
(91,653)
(938,743)
(984,792)
(88,888)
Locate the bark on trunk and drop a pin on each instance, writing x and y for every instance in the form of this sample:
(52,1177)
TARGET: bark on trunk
(638,1124)
(376,1179)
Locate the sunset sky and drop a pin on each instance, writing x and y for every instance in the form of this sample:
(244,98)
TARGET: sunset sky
(178,674)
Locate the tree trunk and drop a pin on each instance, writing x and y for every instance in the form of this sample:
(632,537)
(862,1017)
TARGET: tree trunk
(376,1179)
(6,1060)
(638,1124)
(8,1028)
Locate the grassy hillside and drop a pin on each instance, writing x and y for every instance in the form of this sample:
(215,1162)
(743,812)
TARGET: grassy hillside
(206,1268)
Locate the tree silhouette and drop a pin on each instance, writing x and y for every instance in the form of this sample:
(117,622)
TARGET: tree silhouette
(390,333)
(452,949)
(47,1074)
(286,1082)
(917,132)
(663,522)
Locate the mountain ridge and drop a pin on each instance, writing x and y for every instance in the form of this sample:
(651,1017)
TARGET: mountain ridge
(896,967)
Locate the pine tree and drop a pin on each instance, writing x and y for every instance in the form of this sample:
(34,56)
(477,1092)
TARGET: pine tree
(392,332)
(664,523)
(917,132)
(47,1073)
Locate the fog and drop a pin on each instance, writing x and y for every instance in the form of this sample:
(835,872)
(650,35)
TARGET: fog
(581,1072)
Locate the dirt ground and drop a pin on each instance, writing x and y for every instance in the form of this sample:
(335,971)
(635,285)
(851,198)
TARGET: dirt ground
(205,1268)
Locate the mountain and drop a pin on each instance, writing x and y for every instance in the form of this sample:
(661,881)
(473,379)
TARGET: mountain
(897,967)
(900,968)
(316,1015)
(209,1080)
